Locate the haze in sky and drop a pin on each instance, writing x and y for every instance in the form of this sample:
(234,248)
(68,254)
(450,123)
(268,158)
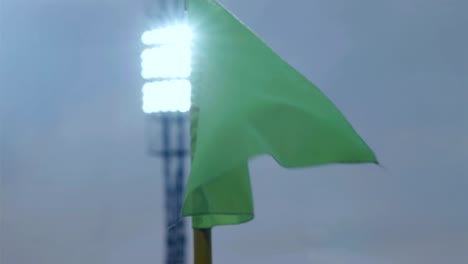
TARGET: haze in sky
(76,185)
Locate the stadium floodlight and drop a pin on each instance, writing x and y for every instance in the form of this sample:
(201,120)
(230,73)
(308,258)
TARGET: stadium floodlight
(166,96)
(170,35)
(166,66)
(167,61)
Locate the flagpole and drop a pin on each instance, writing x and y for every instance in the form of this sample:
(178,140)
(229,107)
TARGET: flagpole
(202,246)
(201,237)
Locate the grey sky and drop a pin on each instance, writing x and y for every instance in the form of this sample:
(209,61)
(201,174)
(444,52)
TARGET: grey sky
(76,186)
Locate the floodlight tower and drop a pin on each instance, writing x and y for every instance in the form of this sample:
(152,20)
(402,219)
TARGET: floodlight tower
(166,68)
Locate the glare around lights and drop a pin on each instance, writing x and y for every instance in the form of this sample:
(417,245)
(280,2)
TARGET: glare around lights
(166,96)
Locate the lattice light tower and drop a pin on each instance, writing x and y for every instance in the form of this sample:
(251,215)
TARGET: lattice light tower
(166,68)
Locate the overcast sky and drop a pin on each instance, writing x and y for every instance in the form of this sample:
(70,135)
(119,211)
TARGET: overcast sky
(77,187)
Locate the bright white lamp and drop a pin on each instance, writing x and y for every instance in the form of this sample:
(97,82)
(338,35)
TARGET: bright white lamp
(166,96)
(170,35)
(166,66)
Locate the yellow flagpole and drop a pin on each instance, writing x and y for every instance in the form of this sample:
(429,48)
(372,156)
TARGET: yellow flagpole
(202,246)
(201,237)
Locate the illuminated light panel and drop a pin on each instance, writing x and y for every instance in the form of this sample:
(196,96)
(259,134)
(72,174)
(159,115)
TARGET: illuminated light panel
(168,61)
(166,96)
(169,35)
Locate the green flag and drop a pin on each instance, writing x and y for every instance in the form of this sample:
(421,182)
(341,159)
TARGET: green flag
(250,102)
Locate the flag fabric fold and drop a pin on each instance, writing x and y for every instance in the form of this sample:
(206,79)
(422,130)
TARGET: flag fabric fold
(251,102)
